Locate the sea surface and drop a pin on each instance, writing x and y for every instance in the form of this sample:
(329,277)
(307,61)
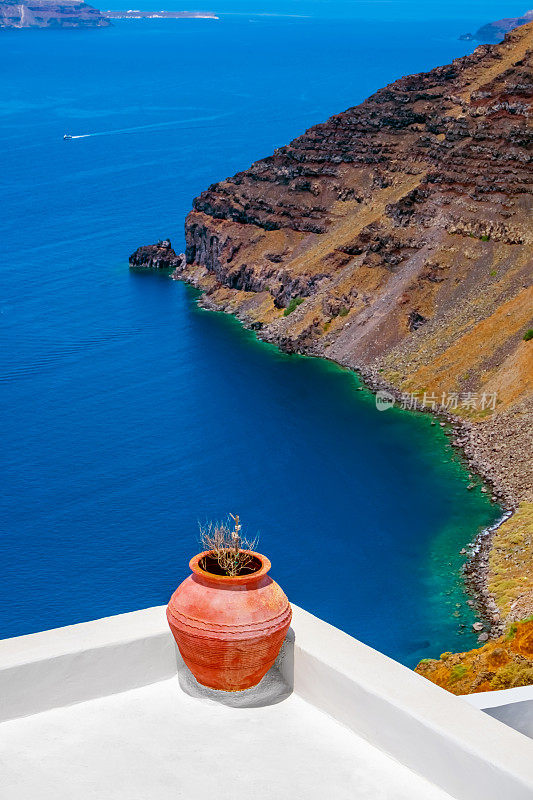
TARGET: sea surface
(128,414)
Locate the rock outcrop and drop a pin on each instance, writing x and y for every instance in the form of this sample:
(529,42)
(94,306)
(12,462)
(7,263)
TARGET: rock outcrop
(156,256)
(50,14)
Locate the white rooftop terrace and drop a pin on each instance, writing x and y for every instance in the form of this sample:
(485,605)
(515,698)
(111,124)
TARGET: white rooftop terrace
(107,709)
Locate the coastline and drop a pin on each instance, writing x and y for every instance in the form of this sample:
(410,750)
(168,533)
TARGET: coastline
(466,445)
(475,569)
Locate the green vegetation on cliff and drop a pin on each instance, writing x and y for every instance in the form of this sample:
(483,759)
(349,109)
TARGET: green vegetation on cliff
(501,664)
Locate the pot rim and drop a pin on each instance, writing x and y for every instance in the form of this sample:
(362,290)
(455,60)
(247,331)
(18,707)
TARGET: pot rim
(230,580)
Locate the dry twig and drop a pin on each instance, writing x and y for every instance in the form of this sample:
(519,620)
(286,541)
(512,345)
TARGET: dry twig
(227,545)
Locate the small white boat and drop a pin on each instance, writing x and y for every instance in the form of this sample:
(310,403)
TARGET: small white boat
(67,136)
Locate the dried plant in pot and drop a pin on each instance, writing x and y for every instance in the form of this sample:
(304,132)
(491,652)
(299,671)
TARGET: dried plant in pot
(229,618)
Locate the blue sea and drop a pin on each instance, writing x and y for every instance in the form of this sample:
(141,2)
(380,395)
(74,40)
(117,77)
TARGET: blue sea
(128,414)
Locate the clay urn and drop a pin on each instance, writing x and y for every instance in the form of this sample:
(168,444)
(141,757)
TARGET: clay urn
(229,629)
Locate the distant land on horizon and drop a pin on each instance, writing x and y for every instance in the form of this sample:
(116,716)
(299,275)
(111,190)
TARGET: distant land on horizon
(137,14)
(493,32)
(77,14)
(50,14)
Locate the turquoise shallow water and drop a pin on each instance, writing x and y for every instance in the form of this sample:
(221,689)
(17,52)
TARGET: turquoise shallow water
(128,414)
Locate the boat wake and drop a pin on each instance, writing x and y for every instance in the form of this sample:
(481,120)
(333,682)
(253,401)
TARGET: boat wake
(152,126)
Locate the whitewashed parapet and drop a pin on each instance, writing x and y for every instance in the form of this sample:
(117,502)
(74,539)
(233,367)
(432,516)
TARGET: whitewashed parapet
(437,735)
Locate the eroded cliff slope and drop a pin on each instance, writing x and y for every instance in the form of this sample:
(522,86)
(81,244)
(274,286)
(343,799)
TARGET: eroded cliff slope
(402,227)
(396,239)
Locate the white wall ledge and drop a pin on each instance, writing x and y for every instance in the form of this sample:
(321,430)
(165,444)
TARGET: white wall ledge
(500,697)
(437,735)
(513,707)
(81,662)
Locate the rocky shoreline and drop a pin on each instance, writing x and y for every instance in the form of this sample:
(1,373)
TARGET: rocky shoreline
(464,434)
(161,256)
(476,571)
(463,438)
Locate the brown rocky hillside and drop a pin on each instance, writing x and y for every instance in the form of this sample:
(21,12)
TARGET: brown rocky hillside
(404,225)
(400,233)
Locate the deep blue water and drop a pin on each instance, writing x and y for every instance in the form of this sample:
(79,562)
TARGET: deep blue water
(128,414)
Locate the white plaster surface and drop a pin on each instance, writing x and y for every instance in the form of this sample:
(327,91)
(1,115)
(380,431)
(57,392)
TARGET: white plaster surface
(513,707)
(78,662)
(501,697)
(159,743)
(438,735)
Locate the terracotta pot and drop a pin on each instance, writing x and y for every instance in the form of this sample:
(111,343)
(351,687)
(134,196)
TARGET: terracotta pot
(229,630)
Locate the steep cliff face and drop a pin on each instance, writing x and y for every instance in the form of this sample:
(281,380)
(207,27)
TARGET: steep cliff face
(50,14)
(404,225)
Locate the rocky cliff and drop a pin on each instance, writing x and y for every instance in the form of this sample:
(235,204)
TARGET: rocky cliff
(50,14)
(404,225)
(400,233)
